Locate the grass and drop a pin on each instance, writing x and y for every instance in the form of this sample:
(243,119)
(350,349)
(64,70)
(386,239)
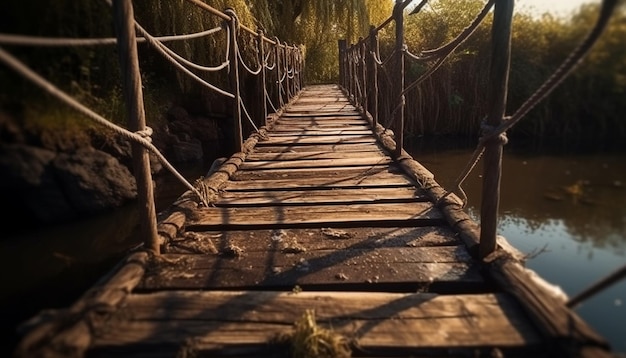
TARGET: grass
(309,340)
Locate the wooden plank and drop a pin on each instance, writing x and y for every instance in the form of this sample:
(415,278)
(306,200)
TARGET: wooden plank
(372,238)
(346,147)
(312,121)
(321,197)
(350,270)
(305,133)
(404,324)
(316,163)
(296,140)
(322,127)
(327,115)
(374,179)
(385,215)
(316,173)
(312,155)
(557,321)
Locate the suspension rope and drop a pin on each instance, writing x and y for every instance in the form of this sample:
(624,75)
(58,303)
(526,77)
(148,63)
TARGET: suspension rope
(245,111)
(566,68)
(183,60)
(23,40)
(140,137)
(568,65)
(173,61)
(243,64)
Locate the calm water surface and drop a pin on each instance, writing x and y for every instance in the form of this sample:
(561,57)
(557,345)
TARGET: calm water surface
(568,213)
(572,240)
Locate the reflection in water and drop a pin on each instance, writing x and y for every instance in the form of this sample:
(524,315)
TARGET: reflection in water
(568,213)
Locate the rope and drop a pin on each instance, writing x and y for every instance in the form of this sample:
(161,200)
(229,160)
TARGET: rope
(566,68)
(443,52)
(568,65)
(267,96)
(189,63)
(245,111)
(139,137)
(448,48)
(154,43)
(255,72)
(22,40)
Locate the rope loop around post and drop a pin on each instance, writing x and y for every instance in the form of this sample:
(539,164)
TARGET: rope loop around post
(146,133)
(489,132)
(233,16)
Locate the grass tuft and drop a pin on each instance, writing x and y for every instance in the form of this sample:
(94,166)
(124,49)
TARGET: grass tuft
(309,340)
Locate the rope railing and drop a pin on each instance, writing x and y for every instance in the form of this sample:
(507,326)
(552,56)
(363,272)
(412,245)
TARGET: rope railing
(384,93)
(285,72)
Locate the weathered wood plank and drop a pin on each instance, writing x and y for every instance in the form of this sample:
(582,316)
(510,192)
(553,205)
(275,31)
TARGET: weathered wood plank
(321,127)
(354,270)
(316,173)
(345,147)
(312,155)
(335,132)
(362,179)
(327,115)
(403,214)
(322,121)
(313,239)
(321,197)
(317,163)
(297,140)
(405,323)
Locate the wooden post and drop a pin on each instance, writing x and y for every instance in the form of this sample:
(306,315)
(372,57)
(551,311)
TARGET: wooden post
(278,75)
(287,66)
(373,76)
(399,79)
(498,84)
(262,79)
(234,80)
(342,63)
(363,74)
(133,94)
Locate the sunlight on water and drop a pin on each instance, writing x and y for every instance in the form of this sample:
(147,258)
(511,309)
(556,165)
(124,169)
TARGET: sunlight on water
(568,214)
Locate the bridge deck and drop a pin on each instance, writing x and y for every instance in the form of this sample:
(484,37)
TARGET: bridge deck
(316,216)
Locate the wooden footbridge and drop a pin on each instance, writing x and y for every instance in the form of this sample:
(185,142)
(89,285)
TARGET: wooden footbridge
(317,218)
(320,236)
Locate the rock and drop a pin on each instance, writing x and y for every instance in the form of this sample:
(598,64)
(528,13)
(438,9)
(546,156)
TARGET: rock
(43,187)
(187,151)
(94,180)
(30,187)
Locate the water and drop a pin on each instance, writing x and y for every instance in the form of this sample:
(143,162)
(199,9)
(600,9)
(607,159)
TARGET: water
(572,240)
(567,212)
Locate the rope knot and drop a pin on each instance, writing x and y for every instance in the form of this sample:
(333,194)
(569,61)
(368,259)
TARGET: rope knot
(231,12)
(487,132)
(145,133)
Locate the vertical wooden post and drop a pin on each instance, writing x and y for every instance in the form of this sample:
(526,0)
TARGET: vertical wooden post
(363,74)
(287,66)
(262,79)
(133,94)
(373,76)
(352,72)
(399,79)
(342,63)
(498,84)
(278,75)
(234,80)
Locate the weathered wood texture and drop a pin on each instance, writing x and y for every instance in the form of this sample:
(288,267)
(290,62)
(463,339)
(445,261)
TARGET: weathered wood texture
(242,323)
(314,202)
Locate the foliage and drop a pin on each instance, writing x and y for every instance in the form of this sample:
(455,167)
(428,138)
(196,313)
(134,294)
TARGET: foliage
(586,107)
(318,25)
